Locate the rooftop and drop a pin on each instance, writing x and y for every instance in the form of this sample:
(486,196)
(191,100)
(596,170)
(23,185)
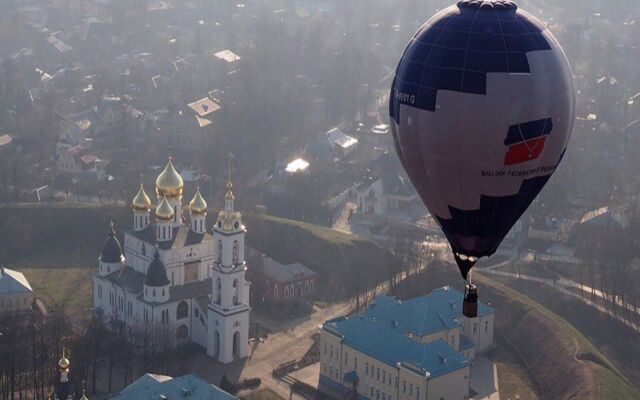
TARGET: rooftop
(420,316)
(338,138)
(182,236)
(150,386)
(435,358)
(13,282)
(286,273)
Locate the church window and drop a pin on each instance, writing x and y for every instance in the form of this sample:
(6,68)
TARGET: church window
(196,312)
(236,292)
(286,291)
(275,290)
(144,251)
(218,291)
(311,285)
(183,310)
(172,276)
(154,293)
(475,327)
(108,268)
(235,252)
(411,388)
(366,369)
(486,326)
(162,292)
(219,250)
(417,393)
(306,286)
(346,358)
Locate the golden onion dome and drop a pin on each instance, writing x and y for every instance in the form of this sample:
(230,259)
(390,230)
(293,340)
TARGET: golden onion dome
(64,363)
(141,202)
(198,205)
(169,183)
(164,211)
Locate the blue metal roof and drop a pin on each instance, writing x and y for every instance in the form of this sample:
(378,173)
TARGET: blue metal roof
(437,311)
(151,386)
(389,346)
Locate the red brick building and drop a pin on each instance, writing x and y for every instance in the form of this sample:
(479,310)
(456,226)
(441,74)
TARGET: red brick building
(288,283)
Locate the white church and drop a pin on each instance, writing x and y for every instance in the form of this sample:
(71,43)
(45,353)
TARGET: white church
(178,274)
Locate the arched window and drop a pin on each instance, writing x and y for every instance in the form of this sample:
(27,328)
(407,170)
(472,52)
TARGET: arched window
(235,252)
(183,310)
(275,290)
(182,332)
(236,344)
(216,344)
(218,291)
(219,251)
(236,292)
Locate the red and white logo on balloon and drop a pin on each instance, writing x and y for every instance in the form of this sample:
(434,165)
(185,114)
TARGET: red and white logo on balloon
(525,142)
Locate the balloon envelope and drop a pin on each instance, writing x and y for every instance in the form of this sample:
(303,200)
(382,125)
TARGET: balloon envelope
(482,107)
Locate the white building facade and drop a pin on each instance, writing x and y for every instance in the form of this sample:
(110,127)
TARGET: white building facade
(167,274)
(420,349)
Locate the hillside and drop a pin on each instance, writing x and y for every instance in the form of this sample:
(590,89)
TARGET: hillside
(558,361)
(40,238)
(346,263)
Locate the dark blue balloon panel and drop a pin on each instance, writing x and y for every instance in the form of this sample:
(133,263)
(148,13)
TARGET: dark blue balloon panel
(456,51)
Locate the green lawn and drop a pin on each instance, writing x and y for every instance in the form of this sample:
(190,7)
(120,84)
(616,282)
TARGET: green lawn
(69,288)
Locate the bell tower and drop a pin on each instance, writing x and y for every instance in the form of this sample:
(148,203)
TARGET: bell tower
(228,313)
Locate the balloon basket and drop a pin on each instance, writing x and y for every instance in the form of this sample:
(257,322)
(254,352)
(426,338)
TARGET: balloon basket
(470,302)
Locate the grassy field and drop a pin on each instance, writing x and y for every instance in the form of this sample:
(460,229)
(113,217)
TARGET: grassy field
(608,381)
(513,380)
(69,288)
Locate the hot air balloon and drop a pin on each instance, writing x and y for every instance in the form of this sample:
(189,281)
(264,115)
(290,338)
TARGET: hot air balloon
(482,106)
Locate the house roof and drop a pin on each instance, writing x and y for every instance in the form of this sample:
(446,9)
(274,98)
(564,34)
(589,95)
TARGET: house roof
(127,278)
(192,386)
(397,185)
(204,106)
(389,346)
(338,138)
(420,316)
(13,282)
(286,273)
(227,55)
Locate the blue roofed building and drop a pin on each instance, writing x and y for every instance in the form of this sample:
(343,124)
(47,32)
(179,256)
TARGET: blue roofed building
(151,386)
(418,349)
